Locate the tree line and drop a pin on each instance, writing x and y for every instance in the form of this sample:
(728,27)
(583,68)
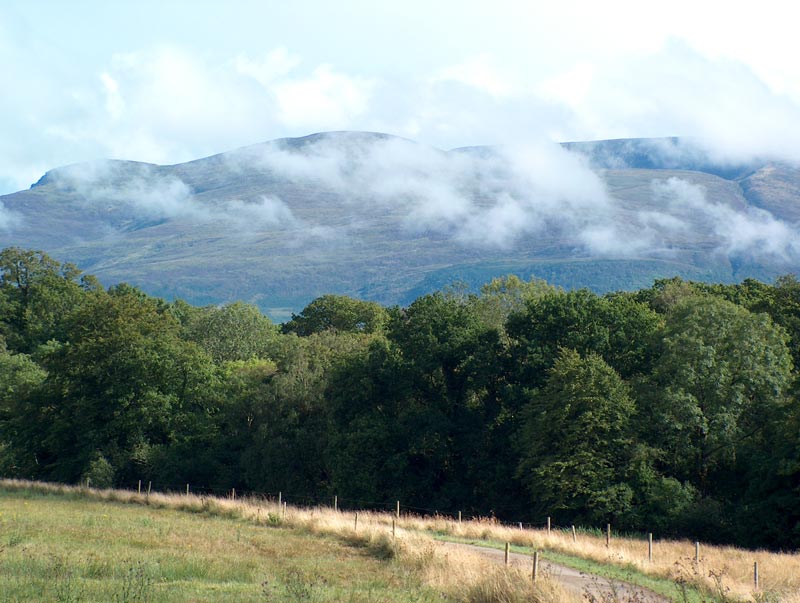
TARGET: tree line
(672,409)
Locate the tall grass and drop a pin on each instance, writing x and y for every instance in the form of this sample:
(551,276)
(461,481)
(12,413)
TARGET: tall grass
(722,570)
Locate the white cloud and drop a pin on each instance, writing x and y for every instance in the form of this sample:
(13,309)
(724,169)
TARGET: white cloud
(115,105)
(139,191)
(8,219)
(324,100)
(276,64)
(750,232)
(679,91)
(479,72)
(480,200)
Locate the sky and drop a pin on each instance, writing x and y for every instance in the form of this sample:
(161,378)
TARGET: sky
(170,81)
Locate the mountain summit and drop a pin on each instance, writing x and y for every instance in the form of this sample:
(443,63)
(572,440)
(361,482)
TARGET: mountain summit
(385,218)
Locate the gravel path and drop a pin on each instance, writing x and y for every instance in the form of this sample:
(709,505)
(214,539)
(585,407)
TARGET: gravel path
(573,580)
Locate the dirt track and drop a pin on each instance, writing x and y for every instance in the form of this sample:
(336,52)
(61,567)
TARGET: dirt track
(572,579)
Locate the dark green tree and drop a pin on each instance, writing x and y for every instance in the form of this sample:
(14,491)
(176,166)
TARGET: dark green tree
(721,372)
(20,380)
(338,313)
(115,388)
(575,445)
(36,293)
(236,331)
(617,327)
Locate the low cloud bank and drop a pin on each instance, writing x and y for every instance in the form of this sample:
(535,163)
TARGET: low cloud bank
(8,219)
(141,191)
(499,198)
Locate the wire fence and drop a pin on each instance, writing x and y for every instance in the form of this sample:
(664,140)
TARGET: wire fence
(354,504)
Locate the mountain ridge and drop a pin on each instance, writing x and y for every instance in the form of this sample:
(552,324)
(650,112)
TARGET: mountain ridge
(385,218)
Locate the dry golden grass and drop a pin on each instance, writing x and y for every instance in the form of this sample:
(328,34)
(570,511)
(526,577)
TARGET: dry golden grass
(779,573)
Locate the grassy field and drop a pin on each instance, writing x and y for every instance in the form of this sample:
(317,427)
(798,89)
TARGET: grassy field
(66,544)
(57,548)
(74,545)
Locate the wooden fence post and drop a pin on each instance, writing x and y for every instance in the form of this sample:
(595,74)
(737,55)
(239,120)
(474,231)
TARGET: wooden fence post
(355,525)
(608,535)
(650,547)
(397,510)
(535,571)
(506,556)
(187,489)
(149,484)
(459,517)
(548,526)
(697,552)
(574,535)
(393,528)
(139,488)
(335,503)
(755,574)
(280,499)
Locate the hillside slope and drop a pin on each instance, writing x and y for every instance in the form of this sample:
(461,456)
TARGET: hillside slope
(387,219)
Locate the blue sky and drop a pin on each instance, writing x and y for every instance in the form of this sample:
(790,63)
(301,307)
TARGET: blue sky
(166,82)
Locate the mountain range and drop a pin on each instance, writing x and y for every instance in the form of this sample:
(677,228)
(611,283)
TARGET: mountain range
(383,218)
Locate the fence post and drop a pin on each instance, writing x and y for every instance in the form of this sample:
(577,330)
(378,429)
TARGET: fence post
(755,574)
(697,552)
(574,535)
(233,493)
(397,510)
(355,524)
(284,510)
(335,503)
(506,556)
(535,571)
(548,526)
(187,489)
(149,484)
(393,528)
(650,547)
(608,535)
(280,499)
(139,488)
(459,517)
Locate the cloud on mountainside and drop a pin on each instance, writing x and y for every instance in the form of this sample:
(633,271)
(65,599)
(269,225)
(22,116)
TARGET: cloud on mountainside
(143,192)
(8,218)
(495,200)
(489,201)
(751,232)
(480,199)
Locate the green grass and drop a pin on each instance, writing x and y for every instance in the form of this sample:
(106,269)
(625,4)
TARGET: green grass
(65,548)
(661,586)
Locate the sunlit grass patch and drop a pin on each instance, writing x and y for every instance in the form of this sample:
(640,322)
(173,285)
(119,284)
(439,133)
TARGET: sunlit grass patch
(68,548)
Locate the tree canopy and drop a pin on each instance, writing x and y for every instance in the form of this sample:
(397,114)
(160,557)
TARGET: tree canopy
(674,408)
